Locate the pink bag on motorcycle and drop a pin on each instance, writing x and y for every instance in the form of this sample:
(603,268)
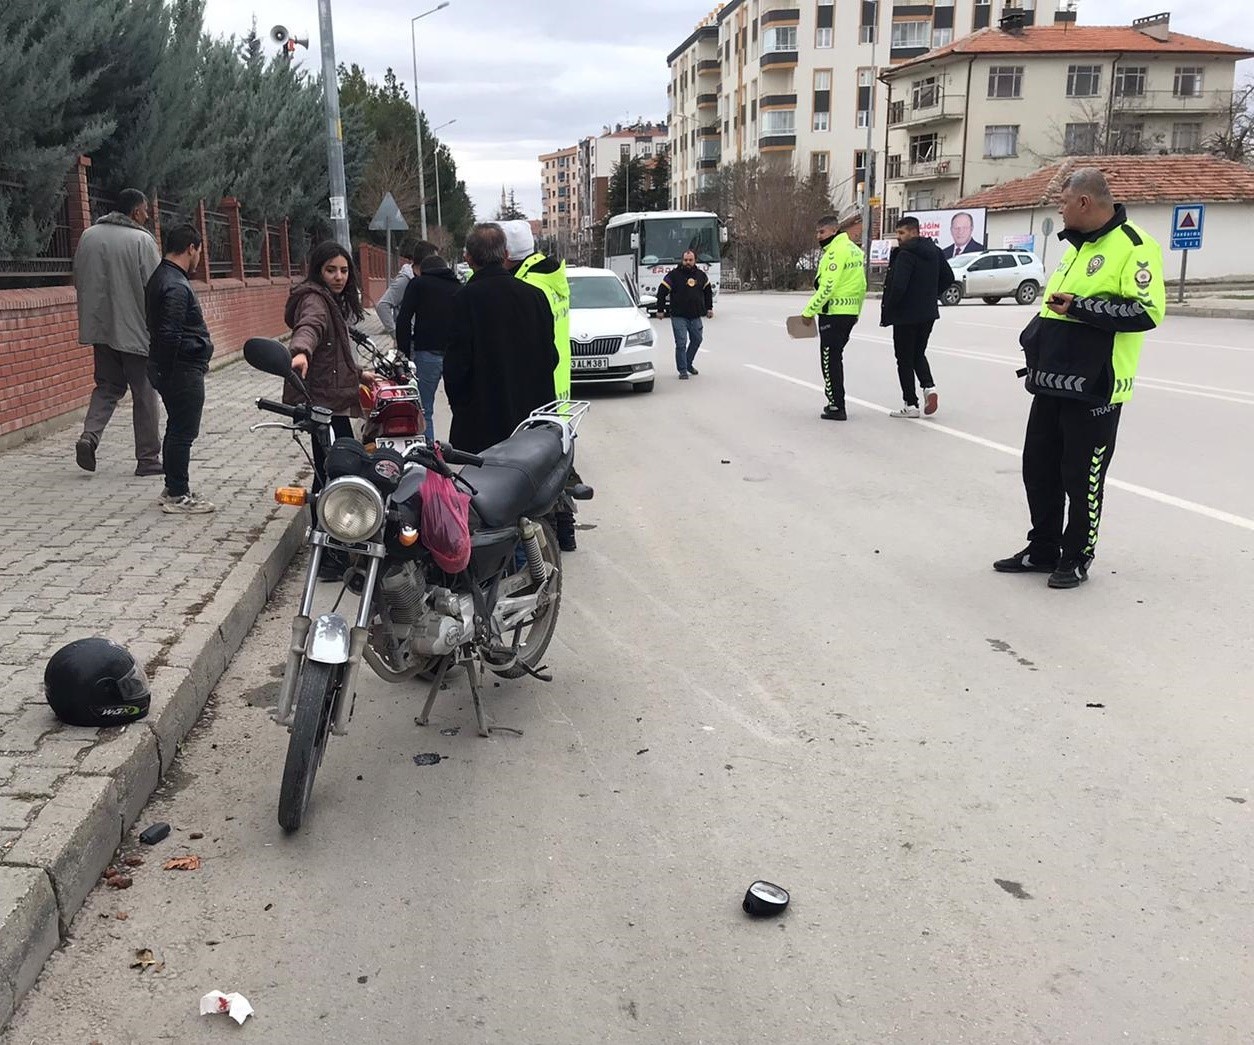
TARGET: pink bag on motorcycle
(445,528)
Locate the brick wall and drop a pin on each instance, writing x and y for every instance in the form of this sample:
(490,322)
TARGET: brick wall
(45,373)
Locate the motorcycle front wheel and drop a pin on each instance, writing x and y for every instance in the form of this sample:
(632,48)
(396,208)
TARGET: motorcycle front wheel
(534,636)
(315,698)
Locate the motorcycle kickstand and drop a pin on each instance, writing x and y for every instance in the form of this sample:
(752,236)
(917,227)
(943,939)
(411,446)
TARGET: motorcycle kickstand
(434,692)
(473,670)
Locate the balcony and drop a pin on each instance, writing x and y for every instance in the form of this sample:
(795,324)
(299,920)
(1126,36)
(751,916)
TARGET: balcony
(939,168)
(937,108)
(777,141)
(705,101)
(1170,102)
(707,163)
(782,16)
(708,65)
(778,59)
(777,101)
(710,130)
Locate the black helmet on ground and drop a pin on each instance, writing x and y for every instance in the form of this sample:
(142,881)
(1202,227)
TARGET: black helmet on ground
(95,682)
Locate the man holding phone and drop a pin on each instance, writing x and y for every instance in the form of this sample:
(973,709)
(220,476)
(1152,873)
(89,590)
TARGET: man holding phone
(1082,352)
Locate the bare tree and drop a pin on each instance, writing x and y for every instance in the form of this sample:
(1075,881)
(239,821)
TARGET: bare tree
(1090,130)
(1236,140)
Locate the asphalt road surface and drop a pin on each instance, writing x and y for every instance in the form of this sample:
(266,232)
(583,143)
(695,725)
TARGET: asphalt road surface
(1005,814)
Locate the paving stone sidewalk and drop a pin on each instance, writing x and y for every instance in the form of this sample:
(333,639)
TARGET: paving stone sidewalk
(86,554)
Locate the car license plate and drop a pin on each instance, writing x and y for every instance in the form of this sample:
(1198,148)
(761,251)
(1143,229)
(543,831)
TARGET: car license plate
(401,446)
(596,363)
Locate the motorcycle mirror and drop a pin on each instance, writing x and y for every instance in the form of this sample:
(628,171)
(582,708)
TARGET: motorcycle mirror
(268,356)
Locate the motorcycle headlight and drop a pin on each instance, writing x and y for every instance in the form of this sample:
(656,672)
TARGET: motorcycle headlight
(350,509)
(640,337)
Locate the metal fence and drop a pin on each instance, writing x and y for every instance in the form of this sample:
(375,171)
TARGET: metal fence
(218,247)
(253,236)
(49,263)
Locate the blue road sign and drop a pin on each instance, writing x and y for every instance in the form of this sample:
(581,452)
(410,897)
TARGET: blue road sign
(1186,226)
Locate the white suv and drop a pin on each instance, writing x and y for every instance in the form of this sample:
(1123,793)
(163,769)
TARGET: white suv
(993,275)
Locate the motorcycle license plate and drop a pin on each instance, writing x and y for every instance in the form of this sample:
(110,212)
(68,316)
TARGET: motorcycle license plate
(596,363)
(400,445)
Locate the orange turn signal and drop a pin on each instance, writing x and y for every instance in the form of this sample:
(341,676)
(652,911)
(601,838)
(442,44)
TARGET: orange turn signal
(294,495)
(408,536)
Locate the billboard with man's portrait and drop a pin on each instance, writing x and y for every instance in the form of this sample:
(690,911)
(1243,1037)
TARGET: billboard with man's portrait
(955,231)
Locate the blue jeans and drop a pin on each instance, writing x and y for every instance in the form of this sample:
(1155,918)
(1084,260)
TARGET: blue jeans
(688,334)
(182,390)
(430,369)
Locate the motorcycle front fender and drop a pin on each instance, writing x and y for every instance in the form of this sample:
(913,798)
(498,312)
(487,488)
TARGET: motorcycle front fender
(329,640)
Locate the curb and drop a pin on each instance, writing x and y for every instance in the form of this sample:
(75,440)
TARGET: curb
(1207,312)
(49,872)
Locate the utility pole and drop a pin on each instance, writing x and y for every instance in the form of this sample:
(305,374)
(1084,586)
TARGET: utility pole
(868,183)
(422,174)
(335,130)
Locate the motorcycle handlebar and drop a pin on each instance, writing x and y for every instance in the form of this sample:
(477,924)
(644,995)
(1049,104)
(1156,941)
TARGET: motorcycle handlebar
(296,413)
(453,456)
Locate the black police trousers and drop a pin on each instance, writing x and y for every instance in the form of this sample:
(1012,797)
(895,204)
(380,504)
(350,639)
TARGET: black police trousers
(1066,452)
(834,334)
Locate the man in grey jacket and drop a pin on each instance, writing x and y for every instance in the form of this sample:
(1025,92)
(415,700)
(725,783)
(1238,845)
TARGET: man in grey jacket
(114,259)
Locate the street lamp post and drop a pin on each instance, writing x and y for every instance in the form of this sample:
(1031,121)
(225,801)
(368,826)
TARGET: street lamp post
(422,179)
(869,159)
(335,130)
(439,214)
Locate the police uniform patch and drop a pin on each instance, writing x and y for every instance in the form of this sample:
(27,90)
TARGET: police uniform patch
(1097,262)
(692,282)
(1144,277)
(832,267)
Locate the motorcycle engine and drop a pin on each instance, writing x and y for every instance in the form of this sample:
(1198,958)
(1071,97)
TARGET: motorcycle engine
(402,589)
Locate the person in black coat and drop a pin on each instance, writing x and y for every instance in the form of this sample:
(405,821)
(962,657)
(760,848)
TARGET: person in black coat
(917,273)
(501,355)
(423,323)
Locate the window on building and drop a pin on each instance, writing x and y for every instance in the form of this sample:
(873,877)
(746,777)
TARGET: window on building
(1080,139)
(924,148)
(823,37)
(819,163)
(779,121)
(1188,81)
(866,95)
(864,119)
(892,166)
(1005,81)
(921,199)
(912,34)
(941,37)
(867,22)
(859,167)
(1130,81)
(891,216)
(1084,81)
(925,94)
(1186,137)
(824,22)
(1126,138)
(779,38)
(983,16)
(823,80)
(1001,140)
(822,121)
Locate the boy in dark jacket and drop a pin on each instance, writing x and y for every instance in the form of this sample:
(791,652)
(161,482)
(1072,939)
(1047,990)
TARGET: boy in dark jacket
(179,349)
(917,273)
(423,325)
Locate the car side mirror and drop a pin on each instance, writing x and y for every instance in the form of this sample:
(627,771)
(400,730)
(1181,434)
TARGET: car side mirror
(647,301)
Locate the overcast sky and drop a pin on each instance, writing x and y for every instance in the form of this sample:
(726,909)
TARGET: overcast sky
(522,77)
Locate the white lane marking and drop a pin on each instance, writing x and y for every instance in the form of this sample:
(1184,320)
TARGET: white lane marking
(1205,510)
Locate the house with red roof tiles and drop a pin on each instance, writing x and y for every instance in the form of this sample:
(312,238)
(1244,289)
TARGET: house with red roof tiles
(1009,100)
(1150,187)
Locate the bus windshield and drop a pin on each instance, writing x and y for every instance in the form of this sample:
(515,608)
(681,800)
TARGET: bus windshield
(664,240)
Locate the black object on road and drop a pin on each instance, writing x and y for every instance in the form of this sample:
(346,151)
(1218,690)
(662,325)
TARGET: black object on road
(765,898)
(155,833)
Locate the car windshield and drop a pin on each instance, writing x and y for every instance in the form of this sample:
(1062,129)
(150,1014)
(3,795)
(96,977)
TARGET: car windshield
(962,260)
(599,292)
(665,240)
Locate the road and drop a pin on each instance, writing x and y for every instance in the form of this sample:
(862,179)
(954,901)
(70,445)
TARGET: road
(1006,814)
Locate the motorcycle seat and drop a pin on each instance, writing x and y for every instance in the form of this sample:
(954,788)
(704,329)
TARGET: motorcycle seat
(521,476)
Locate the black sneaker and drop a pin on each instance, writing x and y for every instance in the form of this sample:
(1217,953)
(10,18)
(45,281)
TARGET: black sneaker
(693,370)
(1024,563)
(834,413)
(683,375)
(1071,573)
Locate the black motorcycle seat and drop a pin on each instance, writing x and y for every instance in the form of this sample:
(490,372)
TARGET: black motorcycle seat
(521,476)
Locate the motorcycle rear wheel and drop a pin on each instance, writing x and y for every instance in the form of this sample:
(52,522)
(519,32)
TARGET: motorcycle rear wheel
(315,698)
(539,633)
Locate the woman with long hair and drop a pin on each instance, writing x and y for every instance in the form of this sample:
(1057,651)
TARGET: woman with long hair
(319,310)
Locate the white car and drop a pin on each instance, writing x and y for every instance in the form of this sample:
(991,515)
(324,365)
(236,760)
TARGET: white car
(611,341)
(993,275)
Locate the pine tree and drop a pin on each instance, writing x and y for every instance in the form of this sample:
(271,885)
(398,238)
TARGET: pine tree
(509,209)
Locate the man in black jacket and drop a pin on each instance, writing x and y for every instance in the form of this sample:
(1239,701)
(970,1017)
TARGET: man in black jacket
(423,324)
(501,353)
(917,273)
(179,349)
(691,297)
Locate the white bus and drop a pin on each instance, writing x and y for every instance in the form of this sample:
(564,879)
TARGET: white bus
(643,247)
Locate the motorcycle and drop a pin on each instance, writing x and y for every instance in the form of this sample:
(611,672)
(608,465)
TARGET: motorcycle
(413,620)
(391,405)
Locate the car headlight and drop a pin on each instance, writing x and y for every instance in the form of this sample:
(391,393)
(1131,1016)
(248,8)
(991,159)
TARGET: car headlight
(350,509)
(640,337)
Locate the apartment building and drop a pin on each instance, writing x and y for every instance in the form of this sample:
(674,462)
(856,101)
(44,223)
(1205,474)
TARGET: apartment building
(559,214)
(795,82)
(1005,101)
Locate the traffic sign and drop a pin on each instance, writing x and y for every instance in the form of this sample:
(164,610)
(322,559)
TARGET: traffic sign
(389,216)
(1186,226)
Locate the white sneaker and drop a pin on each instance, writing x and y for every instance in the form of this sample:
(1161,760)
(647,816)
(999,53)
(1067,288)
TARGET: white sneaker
(906,411)
(188,504)
(930,401)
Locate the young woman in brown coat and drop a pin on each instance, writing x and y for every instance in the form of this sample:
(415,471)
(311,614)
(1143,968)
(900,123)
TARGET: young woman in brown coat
(318,312)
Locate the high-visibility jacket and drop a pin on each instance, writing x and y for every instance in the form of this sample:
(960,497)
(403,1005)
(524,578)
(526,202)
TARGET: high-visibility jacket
(1092,353)
(840,286)
(549,276)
